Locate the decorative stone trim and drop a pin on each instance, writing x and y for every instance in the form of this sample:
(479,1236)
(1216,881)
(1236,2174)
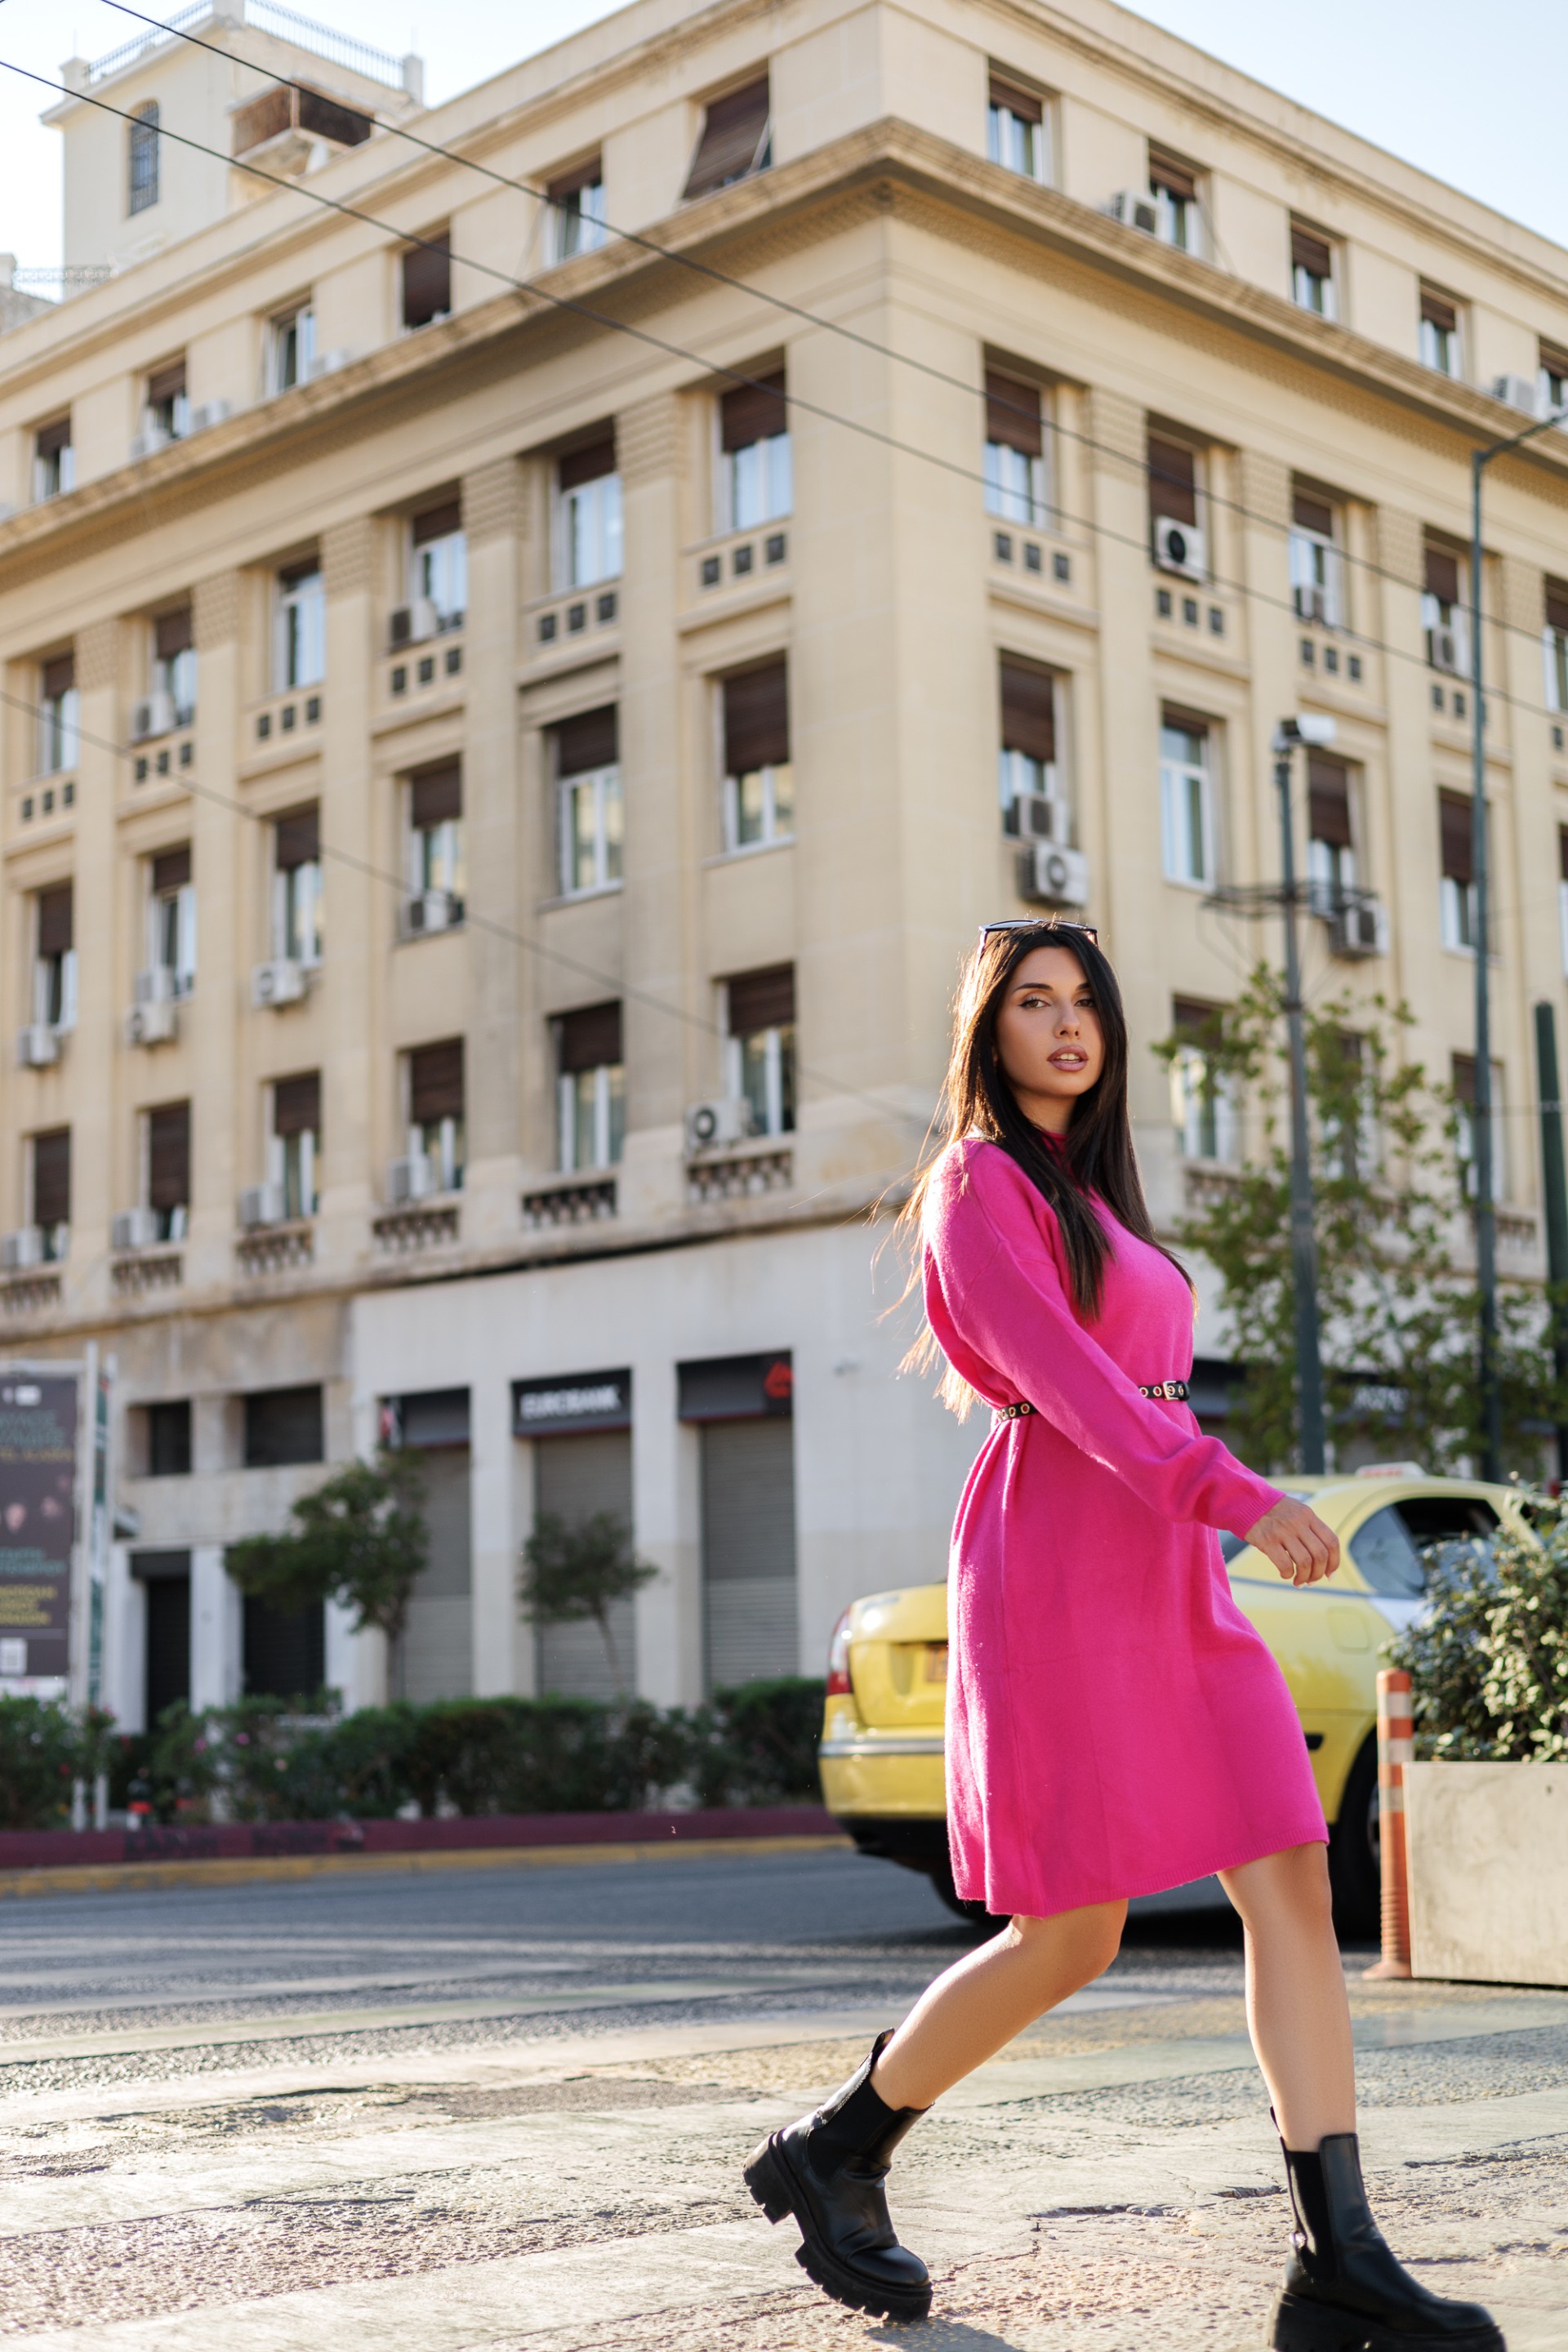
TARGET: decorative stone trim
(1116,431)
(144,1270)
(494,502)
(740,1176)
(97,655)
(34,1295)
(649,440)
(348,556)
(1264,484)
(571,1202)
(1521,594)
(1206,1187)
(1401,546)
(216,609)
(398,1232)
(275,1249)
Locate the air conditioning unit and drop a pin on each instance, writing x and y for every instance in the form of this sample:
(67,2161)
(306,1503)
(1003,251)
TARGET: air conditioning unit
(22,1249)
(39,1046)
(412,1178)
(414,623)
(1446,650)
(711,1124)
(1043,817)
(433,910)
(262,1205)
(1179,547)
(327,364)
(1359,927)
(153,715)
(153,1024)
(209,413)
(134,1229)
(1053,877)
(1520,392)
(281,982)
(1137,211)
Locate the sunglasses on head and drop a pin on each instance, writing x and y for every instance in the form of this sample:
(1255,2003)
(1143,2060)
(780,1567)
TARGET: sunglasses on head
(1038,923)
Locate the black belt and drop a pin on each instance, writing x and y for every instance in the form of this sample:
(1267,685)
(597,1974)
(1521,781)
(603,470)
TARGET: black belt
(1167,1392)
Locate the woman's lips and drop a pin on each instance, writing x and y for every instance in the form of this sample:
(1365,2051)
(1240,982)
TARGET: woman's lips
(1068,1060)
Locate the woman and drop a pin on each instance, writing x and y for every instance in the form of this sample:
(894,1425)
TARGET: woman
(1169,1747)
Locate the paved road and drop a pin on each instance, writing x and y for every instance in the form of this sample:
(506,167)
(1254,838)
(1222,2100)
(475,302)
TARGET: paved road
(506,2108)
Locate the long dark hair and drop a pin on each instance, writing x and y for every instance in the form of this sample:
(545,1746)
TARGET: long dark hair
(1096,1153)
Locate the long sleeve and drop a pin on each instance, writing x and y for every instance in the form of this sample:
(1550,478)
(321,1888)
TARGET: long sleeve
(998,1301)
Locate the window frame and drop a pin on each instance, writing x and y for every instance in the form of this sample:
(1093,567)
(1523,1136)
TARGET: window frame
(590,1101)
(1002,122)
(1317,562)
(1440,341)
(300,626)
(143,160)
(59,725)
(439,563)
(1178,803)
(1302,235)
(54,466)
(608,831)
(1176,208)
(1025,502)
(574,228)
(598,502)
(54,974)
(299,323)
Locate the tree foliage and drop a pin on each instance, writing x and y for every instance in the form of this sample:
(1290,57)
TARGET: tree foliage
(359,1538)
(1489,1657)
(574,1570)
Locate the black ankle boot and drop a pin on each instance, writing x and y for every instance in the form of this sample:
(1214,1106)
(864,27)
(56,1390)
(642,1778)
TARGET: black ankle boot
(1344,2290)
(828,2172)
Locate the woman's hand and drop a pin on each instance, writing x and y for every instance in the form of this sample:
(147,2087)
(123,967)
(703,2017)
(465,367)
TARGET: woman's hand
(1294,1537)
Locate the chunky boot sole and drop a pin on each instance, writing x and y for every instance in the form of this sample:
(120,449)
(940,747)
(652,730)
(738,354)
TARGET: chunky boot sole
(1300,2326)
(770,2181)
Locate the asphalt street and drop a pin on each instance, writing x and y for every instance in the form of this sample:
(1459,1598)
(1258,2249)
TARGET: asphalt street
(508,2107)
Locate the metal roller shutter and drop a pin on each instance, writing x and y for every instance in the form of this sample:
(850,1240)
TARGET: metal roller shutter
(749,1551)
(573,1477)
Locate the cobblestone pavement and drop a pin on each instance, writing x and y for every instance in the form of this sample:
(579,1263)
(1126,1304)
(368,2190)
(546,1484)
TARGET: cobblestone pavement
(508,2110)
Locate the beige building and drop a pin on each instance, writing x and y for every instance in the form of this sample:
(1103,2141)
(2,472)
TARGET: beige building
(515,709)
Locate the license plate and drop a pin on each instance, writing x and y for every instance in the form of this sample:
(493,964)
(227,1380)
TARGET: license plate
(936,1662)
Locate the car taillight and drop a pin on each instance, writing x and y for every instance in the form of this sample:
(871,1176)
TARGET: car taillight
(838,1684)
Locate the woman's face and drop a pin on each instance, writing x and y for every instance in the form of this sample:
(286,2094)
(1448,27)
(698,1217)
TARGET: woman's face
(1048,1037)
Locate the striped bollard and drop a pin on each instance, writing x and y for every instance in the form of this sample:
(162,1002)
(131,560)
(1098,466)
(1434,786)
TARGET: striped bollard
(1396,1746)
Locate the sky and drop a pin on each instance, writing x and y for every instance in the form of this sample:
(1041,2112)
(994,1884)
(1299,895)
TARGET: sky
(1476,100)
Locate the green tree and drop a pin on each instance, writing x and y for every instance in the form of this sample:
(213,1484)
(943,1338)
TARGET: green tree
(1399,1312)
(359,1538)
(574,1570)
(1489,1657)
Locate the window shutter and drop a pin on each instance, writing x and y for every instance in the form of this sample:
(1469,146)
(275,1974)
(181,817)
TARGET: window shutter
(54,921)
(437,522)
(1557,605)
(580,465)
(587,741)
(52,438)
(169,1156)
(1024,103)
(1178,179)
(588,1038)
(436,1081)
(756,720)
(1562,852)
(1173,479)
(297,1105)
(1197,1023)
(1029,711)
(1310,252)
(754,412)
(566,183)
(1438,311)
(299,575)
(1464,1075)
(1454,816)
(166,384)
(1442,575)
(732,133)
(52,1177)
(172,634)
(761,1000)
(1310,513)
(1328,800)
(436,796)
(171,870)
(58,676)
(1013,414)
(297,839)
(427,279)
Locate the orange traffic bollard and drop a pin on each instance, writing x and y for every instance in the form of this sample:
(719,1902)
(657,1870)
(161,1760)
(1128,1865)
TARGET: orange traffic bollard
(1396,1746)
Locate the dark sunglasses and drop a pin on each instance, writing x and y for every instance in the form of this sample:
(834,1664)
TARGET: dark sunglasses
(1039,923)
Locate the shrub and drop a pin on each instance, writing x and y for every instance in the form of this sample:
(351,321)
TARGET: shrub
(757,1745)
(1488,1660)
(38,1762)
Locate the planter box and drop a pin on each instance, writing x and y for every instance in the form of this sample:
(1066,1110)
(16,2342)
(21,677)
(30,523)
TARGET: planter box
(1489,1871)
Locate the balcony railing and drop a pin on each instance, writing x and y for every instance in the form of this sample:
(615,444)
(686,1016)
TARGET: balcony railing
(573,1200)
(551,624)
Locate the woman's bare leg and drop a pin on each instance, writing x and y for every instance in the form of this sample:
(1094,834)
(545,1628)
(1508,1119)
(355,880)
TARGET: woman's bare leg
(1296,2012)
(976,2006)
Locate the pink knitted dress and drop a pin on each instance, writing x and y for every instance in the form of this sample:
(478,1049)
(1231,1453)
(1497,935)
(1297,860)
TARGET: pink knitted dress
(1114,1725)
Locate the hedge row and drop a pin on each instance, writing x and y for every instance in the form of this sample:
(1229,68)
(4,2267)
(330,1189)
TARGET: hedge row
(272,1759)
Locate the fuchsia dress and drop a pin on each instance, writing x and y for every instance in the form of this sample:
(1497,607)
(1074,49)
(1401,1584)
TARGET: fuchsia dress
(1114,1725)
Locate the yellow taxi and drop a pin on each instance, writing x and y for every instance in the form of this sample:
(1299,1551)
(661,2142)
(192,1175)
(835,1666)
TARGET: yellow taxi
(881,1750)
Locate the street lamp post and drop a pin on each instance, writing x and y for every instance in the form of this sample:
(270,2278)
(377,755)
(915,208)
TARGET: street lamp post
(1289,732)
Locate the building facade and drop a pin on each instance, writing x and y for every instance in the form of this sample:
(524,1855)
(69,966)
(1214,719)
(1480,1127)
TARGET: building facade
(522,679)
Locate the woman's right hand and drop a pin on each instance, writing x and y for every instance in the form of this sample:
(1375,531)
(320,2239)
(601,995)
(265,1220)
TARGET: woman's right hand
(1294,1537)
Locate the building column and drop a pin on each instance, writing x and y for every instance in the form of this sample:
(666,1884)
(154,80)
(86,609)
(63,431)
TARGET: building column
(217,1632)
(357,1081)
(100,1150)
(667,1522)
(495,1535)
(222,855)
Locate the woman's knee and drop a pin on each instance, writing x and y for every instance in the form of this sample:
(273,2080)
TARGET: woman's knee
(1080,1944)
(1291,1886)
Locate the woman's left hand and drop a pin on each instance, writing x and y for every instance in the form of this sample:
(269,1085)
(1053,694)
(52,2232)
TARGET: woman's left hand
(1295,1538)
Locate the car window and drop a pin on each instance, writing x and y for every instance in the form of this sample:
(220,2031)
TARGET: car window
(1447,1518)
(1384,1551)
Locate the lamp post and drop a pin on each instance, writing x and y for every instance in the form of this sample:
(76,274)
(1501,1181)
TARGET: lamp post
(1486,1208)
(1309,730)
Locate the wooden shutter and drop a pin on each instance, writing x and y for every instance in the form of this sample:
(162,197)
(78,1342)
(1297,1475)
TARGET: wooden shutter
(1013,414)
(171,870)
(761,1000)
(588,1039)
(1310,252)
(52,1177)
(295,575)
(427,279)
(58,676)
(1454,817)
(1029,711)
(436,796)
(567,184)
(754,412)
(1328,800)
(436,1082)
(1442,575)
(580,465)
(1174,179)
(437,522)
(1562,852)
(1464,1076)
(1173,479)
(586,742)
(1311,513)
(1024,103)
(733,131)
(52,438)
(172,634)
(166,384)
(169,1156)
(297,1104)
(56,910)
(756,720)
(1557,605)
(297,839)
(1438,311)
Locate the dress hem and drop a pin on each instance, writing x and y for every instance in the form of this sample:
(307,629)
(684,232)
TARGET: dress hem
(1162,1885)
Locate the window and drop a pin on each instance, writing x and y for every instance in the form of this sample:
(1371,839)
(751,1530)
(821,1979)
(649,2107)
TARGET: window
(577,215)
(1014,452)
(283,1426)
(1174,188)
(1174,489)
(172,919)
(299,642)
(754,474)
(1439,333)
(439,563)
(173,670)
(591,1088)
(166,1167)
(169,1439)
(427,279)
(294,1145)
(1032,805)
(1017,134)
(1563,894)
(143,158)
(54,460)
(1186,799)
(588,516)
(1553,380)
(166,411)
(1331,852)
(51,1189)
(435,845)
(1442,614)
(54,958)
(1350,1140)
(588,801)
(1316,565)
(759,781)
(736,140)
(762,1046)
(296,887)
(1458,891)
(1312,270)
(1464,1084)
(1202,1103)
(291,348)
(1556,644)
(59,736)
(436,1127)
